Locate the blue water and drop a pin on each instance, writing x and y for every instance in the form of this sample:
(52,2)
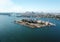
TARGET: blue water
(12,32)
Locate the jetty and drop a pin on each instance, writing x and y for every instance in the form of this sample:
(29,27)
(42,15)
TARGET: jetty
(34,23)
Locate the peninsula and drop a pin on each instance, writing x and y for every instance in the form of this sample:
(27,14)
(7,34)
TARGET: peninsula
(34,23)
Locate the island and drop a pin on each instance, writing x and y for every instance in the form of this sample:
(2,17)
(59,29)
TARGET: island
(34,23)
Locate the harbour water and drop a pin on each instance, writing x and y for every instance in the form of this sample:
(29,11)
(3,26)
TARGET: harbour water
(12,32)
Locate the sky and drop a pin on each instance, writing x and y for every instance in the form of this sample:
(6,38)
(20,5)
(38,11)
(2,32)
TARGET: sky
(30,5)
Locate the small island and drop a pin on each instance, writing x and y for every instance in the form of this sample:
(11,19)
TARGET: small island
(34,23)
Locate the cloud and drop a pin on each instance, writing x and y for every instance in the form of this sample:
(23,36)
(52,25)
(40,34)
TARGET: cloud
(9,6)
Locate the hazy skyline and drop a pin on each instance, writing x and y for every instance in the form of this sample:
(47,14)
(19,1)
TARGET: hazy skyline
(29,5)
